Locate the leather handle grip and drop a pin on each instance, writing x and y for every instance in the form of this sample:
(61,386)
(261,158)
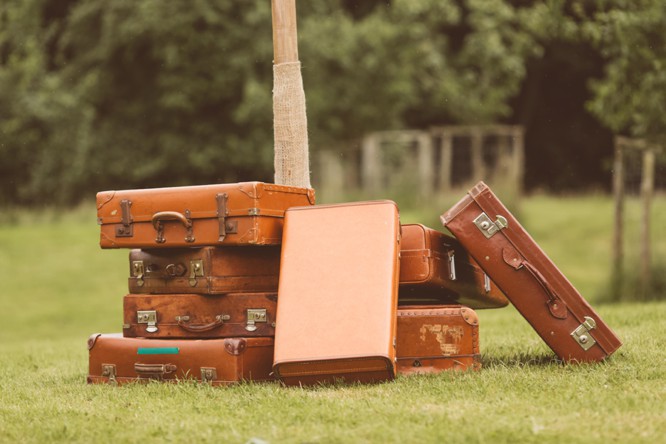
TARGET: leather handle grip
(556,305)
(154,370)
(170,215)
(198,328)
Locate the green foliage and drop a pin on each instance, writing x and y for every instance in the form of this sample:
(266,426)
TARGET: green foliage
(631,97)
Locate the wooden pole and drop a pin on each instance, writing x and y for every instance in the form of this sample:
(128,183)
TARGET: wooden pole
(618,226)
(285,36)
(291,150)
(647,189)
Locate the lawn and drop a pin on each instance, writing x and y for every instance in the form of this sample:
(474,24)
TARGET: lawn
(57,287)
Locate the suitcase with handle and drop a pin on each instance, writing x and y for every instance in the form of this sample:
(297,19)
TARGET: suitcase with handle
(116,360)
(435,269)
(528,278)
(246,213)
(338,294)
(193,315)
(432,339)
(206,270)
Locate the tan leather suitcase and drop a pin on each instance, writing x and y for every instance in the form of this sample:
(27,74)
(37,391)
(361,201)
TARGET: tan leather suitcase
(337,294)
(435,269)
(116,360)
(206,270)
(528,278)
(199,316)
(435,338)
(246,213)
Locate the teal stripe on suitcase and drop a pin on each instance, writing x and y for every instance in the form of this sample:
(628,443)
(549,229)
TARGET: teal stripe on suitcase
(157,351)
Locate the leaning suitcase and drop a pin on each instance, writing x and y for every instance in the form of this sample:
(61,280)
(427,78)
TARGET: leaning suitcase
(338,294)
(435,269)
(528,278)
(432,339)
(206,270)
(114,359)
(206,215)
(199,316)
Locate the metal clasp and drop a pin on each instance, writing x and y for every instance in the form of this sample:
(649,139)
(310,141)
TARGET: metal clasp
(109,371)
(138,271)
(255,315)
(488,227)
(196,270)
(147,317)
(125,228)
(582,333)
(208,374)
(452,265)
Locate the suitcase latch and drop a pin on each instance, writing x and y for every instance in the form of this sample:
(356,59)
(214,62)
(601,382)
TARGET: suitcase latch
(488,227)
(225,226)
(147,317)
(109,371)
(452,265)
(138,271)
(208,374)
(582,333)
(255,315)
(125,228)
(196,270)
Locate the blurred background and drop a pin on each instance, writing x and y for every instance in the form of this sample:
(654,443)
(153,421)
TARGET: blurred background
(407,99)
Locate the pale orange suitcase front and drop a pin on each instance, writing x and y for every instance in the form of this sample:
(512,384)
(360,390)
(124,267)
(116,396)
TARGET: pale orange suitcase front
(337,294)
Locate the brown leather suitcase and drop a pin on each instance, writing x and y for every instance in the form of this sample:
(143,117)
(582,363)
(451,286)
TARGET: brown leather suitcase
(528,278)
(338,293)
(435,338)
(199,316)
(206,270)
(114,359)
(435,269)
(206,215)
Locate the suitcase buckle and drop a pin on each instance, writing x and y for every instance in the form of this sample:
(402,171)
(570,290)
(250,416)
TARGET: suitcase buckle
(138,272)
(255,315)
(489,228)
(582,334)
(109,371)
(147,317)
(196,270)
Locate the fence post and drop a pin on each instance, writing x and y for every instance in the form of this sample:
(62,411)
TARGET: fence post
(647,189)
(618,225)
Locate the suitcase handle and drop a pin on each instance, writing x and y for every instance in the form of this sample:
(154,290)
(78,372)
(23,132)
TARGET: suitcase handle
(154,370)
(184,219)
(556,306)
(198,328)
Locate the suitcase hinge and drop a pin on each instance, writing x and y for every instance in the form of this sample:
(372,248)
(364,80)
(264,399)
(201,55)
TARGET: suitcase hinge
(255,315)
(109,371)
(488,227)
(582,333)
(452,265)
(125,228)
(138,272)
(147,317)
(196,270)
(486,283)
(208,374)
(225,227)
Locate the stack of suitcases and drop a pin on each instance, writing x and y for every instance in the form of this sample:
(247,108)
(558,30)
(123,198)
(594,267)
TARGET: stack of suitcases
(253,281)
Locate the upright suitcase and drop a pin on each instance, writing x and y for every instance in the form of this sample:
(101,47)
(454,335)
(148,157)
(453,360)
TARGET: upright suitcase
(528,278)
(432,339)
(338,293)
(435,269)
(206,270)
(114,359)
(246,213)
(199,316)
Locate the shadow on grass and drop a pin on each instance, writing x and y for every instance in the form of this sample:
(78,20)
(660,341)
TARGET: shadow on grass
(519,359)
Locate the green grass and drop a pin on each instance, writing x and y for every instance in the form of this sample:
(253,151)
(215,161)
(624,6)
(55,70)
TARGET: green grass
(57,287)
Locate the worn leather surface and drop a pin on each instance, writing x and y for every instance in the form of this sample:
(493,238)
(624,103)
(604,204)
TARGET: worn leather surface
(224,270)
(528,278)
(338,293)
(256,208)
(202,312)
(425,272)
(233,359)
(432,339)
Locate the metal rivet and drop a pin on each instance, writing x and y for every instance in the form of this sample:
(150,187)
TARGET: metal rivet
(583,339)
